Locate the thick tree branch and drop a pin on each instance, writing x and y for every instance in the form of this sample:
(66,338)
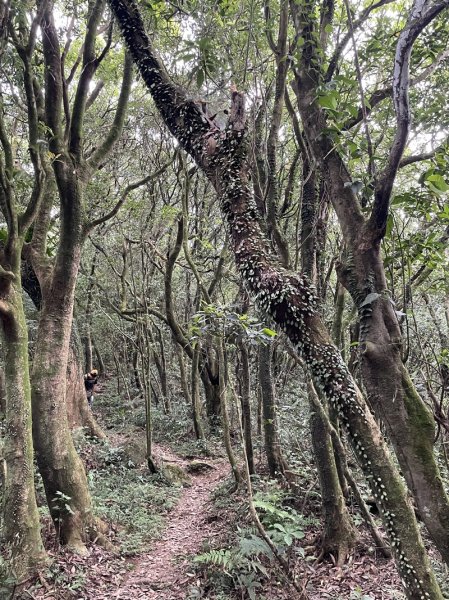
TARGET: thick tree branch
(183,116)
(119,118)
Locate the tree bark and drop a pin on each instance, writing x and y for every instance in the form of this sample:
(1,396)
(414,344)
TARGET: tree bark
(277,464)
(245,395)
(21,528)
(339,535)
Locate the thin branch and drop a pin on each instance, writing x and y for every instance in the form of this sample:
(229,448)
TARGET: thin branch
(125,194)
(381,94)
(95,93)
(344,41)
(409,160)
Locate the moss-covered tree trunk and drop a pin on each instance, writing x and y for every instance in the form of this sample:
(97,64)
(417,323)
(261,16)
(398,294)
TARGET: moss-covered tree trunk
(287,297)
(21,535)
(62,471)
(59,464)
(78,411)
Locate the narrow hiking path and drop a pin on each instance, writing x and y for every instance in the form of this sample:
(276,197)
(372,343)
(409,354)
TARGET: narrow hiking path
(162,573)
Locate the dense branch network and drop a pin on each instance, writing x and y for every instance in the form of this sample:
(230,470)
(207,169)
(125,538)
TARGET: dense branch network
(288,298)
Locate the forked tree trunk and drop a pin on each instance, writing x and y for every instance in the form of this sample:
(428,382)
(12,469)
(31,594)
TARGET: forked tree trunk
(288,298)
(62,470)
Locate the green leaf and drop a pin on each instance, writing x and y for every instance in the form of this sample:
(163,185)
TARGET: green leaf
(439,182)
(200,77)
(269,332)
(329,101)
(390,225)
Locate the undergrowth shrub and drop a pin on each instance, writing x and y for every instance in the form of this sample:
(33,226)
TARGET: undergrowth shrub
(130,499)
(248,561)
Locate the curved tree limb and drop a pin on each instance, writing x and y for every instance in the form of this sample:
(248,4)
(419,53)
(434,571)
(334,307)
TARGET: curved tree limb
(420,17)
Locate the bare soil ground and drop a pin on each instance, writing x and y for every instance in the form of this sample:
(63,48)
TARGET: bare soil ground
(163,574)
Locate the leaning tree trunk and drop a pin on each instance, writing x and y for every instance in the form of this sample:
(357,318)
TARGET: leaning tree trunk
(21,529)
(287,297)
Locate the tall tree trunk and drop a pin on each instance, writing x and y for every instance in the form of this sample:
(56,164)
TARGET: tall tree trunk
(224,412)
(245,395)
(62,470)
(21,528)
(195,396)
(59,464)
(287,297)
(338,533)
(275,460)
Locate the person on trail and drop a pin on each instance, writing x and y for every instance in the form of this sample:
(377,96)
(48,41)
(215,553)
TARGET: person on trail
(90,380)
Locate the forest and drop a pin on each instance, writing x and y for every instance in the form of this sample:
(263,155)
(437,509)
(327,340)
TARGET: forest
(224,299)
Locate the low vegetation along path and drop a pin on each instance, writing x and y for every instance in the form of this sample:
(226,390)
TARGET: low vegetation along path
(163,573)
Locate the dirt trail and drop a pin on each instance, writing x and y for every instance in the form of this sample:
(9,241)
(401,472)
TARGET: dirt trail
(163,574)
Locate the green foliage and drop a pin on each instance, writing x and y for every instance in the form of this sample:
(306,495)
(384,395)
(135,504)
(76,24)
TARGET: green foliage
(61,503)
(248,562)
(130,499)
(225,321)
